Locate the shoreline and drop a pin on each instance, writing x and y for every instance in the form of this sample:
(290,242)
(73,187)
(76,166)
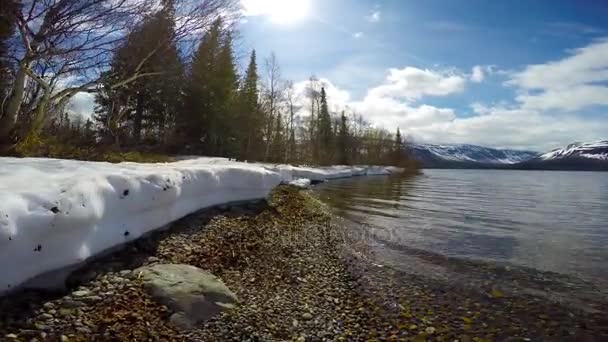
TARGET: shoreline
(298,277)
(279,258)
(55,214)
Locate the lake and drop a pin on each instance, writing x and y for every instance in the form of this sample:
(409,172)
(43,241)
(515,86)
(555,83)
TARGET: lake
(553,224)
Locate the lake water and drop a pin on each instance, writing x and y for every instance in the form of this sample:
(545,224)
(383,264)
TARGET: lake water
(551,222)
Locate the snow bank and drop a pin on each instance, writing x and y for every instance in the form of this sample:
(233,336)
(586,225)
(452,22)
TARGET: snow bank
(323,174)
(301,183)
(59,213)
(56,213)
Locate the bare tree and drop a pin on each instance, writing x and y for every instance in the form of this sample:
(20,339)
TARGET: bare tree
(274,92)
(291,100)
(313,93)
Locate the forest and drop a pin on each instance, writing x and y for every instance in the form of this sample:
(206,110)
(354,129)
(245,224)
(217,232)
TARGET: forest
(167,79)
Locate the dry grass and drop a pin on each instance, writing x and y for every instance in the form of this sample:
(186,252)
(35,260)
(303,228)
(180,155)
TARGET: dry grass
(53,148)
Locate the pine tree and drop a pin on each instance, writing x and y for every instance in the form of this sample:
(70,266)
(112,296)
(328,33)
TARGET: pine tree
(226,86)
(325,130)
(198,119)
(397,153)
(150,103)
(398,140)
(343,140)
(250,116)
(277,150)
(163,93)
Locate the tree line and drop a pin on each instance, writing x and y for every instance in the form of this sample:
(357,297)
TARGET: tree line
(163,87)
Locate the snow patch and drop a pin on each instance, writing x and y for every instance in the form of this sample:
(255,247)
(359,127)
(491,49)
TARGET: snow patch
(593,150)
(471,153)
(301,183)
(58,213)
(603,156)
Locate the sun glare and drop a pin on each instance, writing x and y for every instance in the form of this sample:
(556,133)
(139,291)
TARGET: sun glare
(279,12)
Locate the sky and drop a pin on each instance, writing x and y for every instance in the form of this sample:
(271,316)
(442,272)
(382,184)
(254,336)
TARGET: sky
(515,74)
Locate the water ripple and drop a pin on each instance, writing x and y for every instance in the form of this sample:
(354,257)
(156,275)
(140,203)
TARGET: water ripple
(549,221)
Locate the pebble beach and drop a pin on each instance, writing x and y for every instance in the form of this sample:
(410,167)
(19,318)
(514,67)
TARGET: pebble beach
(297,277)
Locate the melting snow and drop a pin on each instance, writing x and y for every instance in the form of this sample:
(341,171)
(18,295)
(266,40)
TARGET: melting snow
(301,183)
(58,213)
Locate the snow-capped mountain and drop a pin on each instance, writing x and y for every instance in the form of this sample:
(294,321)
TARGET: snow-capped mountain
(578,156)
(596,150)
(467,155)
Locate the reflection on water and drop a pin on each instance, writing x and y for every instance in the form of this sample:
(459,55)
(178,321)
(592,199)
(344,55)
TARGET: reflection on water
(549,221)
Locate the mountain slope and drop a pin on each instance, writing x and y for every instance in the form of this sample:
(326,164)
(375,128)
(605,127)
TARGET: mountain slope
(466,156)
(596,150)
(578,156)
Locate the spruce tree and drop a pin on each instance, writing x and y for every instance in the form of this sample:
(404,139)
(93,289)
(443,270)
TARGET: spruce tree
(250,122)
(163,92)
(148,103)
(398,149)
(343,140)
(224,86)
(277,150)
(398,140)
(197,121)
(325,130)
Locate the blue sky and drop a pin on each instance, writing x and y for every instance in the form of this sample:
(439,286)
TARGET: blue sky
(518,73)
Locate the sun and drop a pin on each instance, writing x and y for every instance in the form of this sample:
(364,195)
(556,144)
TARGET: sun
(280,12)
(289,12)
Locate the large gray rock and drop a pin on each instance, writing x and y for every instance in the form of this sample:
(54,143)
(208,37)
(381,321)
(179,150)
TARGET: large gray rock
(193,294)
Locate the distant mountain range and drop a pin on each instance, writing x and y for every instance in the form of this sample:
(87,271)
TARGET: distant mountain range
(467,156)
(578,156)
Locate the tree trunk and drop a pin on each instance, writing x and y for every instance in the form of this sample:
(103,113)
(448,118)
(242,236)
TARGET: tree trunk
(9,117)
(39,116)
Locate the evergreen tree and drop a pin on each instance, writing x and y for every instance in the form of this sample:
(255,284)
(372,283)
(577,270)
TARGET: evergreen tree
(225,83)
(209,113)
(325,130)
(162,94)
(150,103)
(398,140)
(343,137)
(250,122)
(397,152)
(277,150)
(198,118)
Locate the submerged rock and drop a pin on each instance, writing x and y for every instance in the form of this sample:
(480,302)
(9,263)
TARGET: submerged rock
(193,294)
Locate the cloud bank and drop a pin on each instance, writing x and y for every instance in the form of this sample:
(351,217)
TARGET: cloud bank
(542,115)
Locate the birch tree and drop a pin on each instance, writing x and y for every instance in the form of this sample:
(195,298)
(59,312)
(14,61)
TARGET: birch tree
(73,42)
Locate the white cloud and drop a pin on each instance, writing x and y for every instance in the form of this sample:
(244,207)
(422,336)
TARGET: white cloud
(515,128)
(374,17)
(397,103)
(538,118)
(569,84)
(412,84)
(566,99)
(82,104)
(477,74)
(494,126)
(358,35)
(391,113)
(337,98)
